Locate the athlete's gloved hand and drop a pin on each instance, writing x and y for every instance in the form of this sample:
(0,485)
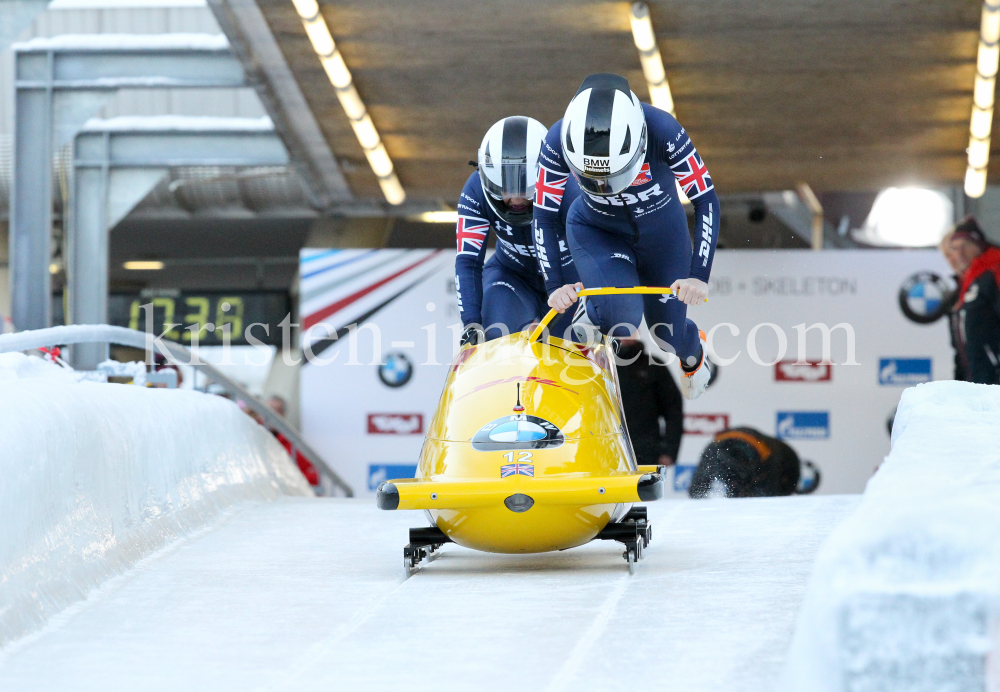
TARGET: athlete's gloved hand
(473,334)
(564,296)
(690,291)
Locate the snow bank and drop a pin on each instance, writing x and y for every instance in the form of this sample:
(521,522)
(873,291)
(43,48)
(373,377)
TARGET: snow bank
(94,477)
(905,594)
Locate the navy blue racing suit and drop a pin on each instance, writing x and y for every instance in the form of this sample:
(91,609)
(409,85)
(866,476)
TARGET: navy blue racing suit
(637,238)
(508,293)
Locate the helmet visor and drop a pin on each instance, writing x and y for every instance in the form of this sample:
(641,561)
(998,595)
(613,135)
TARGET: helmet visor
(516,182)
(611,185)
(512,198)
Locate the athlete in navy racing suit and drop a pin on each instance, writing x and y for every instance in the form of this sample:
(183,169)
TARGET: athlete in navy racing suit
(639,237)
(509,292)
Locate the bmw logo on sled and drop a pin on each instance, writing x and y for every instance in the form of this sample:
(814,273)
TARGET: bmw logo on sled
(517,432)
(528,452)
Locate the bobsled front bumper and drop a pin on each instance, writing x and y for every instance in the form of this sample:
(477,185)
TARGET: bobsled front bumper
(553,491)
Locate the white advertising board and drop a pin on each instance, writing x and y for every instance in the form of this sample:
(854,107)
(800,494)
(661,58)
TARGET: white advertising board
(366,409)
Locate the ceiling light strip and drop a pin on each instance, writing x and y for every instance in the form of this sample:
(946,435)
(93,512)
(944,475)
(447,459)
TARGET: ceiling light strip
(652,66)
(649,56)
(340,77)
(981,123)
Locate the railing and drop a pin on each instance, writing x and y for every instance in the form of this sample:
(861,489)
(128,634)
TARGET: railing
(174,353)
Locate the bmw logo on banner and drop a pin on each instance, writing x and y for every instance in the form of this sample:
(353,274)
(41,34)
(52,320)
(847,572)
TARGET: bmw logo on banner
(925,297)
(396,370)
(518,431)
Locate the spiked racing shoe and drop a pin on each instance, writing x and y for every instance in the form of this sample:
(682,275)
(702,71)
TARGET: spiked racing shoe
(694,382)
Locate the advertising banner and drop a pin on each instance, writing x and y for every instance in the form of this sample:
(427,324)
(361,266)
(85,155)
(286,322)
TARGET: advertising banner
(814,348)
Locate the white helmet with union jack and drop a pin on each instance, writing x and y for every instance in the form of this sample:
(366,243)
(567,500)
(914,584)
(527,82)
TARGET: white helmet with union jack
(507,160)
(604,135)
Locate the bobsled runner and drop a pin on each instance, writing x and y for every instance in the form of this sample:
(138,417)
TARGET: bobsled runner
(529,452)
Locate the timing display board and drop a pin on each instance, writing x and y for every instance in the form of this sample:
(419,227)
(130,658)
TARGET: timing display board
(207,312)
(201,311)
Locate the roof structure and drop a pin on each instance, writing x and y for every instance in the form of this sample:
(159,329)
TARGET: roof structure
(853,95)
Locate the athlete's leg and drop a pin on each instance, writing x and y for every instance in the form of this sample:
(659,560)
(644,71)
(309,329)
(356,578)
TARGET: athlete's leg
(667,320)
(509,302)
(664,255)
(604,259)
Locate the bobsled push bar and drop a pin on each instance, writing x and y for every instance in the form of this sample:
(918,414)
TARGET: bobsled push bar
(608,291)
(467,494)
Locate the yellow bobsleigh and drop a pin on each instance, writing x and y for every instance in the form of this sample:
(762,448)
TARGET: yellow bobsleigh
(528,452)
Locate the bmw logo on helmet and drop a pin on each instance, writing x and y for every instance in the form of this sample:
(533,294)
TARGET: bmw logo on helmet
(396,370)
(925,297)
(518,431)
(603,135)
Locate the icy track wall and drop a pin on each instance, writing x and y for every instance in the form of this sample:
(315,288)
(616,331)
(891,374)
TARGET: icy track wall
(905,594)
(95,477)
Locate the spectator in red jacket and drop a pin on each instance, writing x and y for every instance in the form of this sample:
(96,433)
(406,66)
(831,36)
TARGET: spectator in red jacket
(279,406)
(975,318)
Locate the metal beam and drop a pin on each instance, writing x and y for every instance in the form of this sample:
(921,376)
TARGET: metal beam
(811,201)
(112,61)
(789,208)
(115,165)
(168,141)
(256,48)
(59,83)
(31,210)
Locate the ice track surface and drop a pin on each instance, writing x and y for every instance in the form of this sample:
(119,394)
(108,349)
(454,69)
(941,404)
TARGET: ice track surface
(306,594)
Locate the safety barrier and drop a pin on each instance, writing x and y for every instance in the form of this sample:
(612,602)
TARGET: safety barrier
(174,352)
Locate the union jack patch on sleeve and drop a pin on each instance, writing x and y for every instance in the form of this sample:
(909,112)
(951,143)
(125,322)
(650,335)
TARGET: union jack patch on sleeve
(470,234)
(549,189)
(692,175)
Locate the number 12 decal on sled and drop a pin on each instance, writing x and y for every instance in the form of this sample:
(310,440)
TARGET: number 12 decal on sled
(528,452)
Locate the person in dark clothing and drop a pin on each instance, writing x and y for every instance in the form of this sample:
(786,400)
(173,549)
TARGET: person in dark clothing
(649,393)
(743,462)
(975,318)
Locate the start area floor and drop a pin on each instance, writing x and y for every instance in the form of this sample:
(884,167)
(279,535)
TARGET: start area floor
(310,595)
